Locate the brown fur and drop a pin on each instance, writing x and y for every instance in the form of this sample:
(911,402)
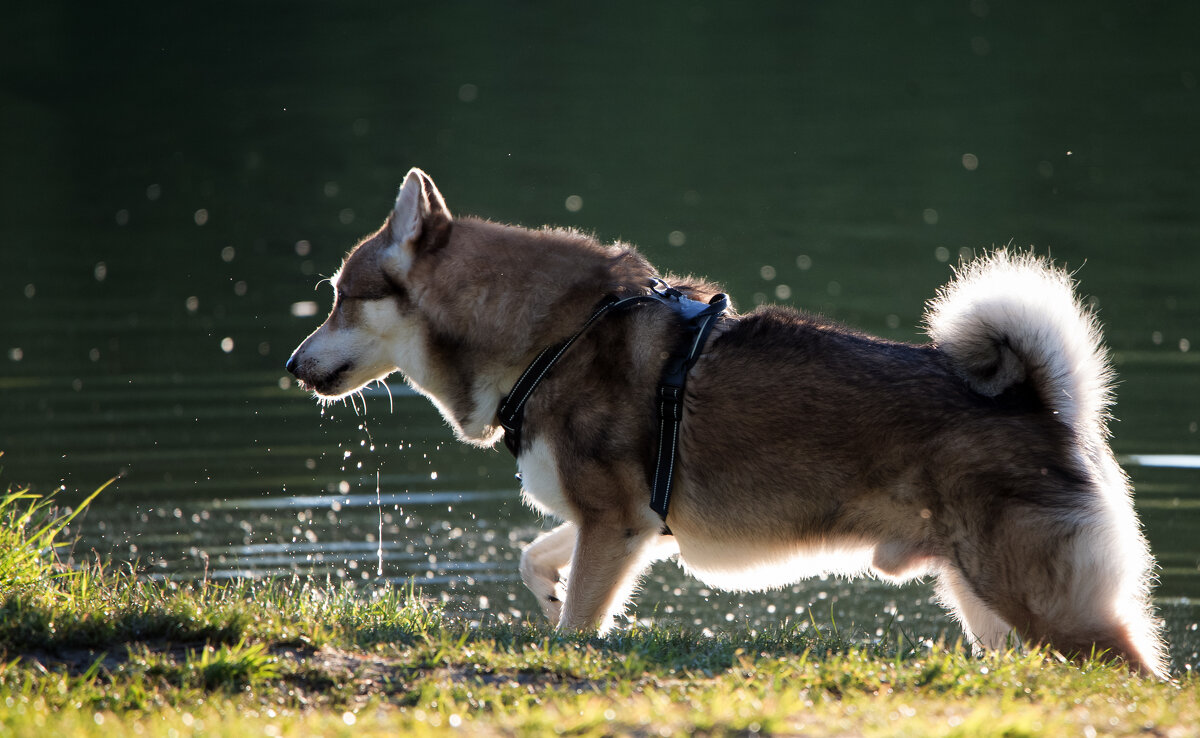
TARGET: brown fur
(802,440)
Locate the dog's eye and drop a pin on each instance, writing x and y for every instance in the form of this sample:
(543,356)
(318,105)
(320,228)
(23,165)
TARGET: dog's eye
(364,292)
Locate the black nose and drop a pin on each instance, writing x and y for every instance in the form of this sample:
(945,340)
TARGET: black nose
(291,364)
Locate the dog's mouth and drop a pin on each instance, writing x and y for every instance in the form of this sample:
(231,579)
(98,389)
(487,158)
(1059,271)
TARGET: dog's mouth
(327,385)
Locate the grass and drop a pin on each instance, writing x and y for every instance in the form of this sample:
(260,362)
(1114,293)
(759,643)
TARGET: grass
(99,651)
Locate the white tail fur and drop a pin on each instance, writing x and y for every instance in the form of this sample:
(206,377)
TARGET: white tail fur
(1008,318)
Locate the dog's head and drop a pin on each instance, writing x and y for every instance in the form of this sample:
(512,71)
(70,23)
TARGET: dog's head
(459,306)
(375,326)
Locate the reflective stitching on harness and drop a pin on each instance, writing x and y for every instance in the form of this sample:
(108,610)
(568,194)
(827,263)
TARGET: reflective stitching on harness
(524,374)
(662,437)
(537,381)
(666,493)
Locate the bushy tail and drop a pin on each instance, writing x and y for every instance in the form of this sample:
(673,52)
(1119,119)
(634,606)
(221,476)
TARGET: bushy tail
(1009,318)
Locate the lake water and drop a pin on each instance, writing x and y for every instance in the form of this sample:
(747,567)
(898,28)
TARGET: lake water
(178,180)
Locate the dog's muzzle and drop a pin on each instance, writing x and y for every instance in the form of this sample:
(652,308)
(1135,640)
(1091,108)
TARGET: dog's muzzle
(323,383)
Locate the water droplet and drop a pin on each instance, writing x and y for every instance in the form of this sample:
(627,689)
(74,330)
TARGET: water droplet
(304,309)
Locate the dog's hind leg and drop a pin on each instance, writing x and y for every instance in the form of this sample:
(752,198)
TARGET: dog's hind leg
(1095,603)
(982,628)
(542,563)
(1073,581)
(605,569)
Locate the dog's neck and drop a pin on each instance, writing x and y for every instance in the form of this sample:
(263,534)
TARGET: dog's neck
(470,400)
(479,363)
(510,412)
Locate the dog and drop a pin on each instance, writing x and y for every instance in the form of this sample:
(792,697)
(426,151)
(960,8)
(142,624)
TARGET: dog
(804,448)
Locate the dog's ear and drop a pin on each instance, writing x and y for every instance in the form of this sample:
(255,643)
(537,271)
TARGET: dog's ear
(419,222)
(420,216)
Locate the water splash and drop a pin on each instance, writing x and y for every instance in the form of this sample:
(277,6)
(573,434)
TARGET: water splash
(379,507)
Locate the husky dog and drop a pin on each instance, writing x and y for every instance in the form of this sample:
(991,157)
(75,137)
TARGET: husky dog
(805,448)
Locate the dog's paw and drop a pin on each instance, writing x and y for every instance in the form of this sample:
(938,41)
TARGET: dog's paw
(550,593)
(543,564)
(552,604)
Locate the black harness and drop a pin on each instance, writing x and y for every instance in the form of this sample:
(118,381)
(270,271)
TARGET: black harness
(698,319)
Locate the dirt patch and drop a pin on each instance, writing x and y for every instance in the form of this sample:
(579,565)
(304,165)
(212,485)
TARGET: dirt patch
(307,676)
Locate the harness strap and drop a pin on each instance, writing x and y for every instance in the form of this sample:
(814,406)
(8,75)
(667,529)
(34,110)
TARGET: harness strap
(698,318)
(512,407)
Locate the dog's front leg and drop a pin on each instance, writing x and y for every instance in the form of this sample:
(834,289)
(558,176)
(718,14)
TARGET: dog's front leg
(542,563)
(604,570)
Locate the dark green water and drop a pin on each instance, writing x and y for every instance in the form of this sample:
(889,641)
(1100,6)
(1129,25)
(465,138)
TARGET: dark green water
(175,179)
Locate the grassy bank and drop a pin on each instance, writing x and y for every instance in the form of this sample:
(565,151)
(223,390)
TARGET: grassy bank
(102,652)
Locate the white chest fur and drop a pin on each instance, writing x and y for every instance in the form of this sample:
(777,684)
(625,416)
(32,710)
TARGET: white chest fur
(540,482)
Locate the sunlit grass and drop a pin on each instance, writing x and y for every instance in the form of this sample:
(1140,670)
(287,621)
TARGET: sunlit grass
(101,651)
(29,530)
